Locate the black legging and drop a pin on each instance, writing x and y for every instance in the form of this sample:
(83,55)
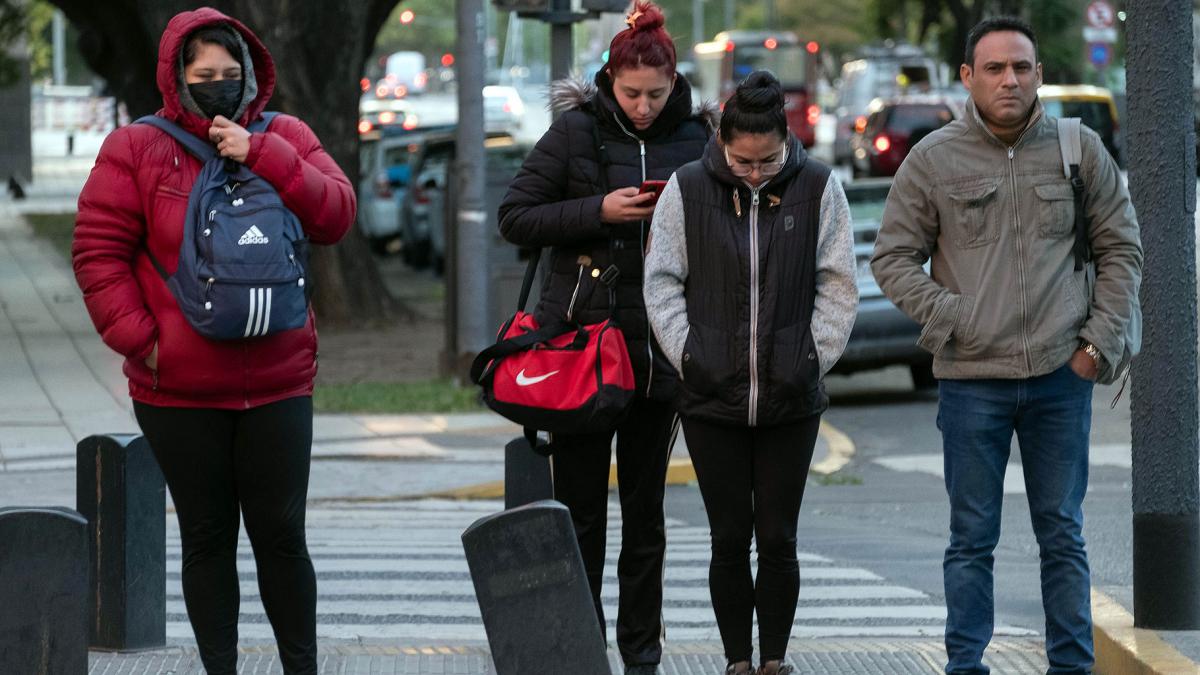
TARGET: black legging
(256,461)
(752,480)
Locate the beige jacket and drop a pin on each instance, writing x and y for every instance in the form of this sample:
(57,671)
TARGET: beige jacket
(1002,299)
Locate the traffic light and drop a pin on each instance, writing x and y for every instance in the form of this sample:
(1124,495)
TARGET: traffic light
(407,16)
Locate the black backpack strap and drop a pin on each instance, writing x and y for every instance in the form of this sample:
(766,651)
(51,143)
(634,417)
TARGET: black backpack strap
(1070,144)
(162,272)
(201,149)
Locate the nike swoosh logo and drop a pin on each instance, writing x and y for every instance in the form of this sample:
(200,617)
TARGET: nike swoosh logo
(524,381)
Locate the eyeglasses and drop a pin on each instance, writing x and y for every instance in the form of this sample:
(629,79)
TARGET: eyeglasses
(765,169)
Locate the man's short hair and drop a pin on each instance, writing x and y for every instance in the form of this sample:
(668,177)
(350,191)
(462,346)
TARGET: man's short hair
(994,25)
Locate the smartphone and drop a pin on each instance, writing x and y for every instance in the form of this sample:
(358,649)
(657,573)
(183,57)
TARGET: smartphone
(655,186)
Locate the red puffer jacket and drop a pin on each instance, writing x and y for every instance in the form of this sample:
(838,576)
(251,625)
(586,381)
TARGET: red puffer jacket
(136,198)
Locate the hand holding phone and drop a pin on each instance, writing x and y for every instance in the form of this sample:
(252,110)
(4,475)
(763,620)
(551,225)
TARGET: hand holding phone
(627,205)
(654,186)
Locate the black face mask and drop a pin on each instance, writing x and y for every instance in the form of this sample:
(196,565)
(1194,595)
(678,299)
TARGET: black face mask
(221,97)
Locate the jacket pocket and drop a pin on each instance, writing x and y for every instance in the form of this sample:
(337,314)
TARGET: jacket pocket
(706,366)
(1055,210)
(795,369)
(976,217)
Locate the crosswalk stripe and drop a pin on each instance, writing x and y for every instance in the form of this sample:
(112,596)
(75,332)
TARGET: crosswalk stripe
(398,572)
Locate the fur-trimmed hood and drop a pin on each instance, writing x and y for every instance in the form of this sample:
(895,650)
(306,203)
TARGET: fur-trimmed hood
(574,93)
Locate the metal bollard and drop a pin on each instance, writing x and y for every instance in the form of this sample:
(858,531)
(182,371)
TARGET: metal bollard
(121,492)
(533,592)
(43,591)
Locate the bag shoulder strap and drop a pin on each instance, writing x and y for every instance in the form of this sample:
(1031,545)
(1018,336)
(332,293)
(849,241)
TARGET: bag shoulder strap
(1070,146)
(199,148)
(260,125)
(1070,143)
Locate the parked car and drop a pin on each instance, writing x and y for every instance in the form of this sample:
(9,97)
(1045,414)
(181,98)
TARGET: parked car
(383,180)
(426,205)
(882,334)
(1093,105)
(893,127)
(880,71)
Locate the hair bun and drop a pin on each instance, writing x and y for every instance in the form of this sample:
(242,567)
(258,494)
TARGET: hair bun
(646,16)
(759,93)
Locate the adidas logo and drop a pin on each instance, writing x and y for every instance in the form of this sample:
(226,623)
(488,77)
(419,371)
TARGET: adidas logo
(253,236)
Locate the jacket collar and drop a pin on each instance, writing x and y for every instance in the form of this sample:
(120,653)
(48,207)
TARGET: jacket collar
(714,162)
(975,122)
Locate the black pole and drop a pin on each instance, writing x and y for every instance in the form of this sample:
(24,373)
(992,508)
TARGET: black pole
(1160,144)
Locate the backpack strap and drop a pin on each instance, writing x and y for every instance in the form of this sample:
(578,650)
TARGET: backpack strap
(260,125)
(1070,145)
(201,149)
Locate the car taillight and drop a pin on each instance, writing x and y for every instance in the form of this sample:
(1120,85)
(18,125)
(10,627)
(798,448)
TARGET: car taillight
(420,196)
(364,126)
(383,189)
(860,124)
(883,143)
(814,115)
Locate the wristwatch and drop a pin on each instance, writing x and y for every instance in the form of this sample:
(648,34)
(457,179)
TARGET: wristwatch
(1091,350)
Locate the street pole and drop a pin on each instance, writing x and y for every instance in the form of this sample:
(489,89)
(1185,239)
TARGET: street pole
(729,17)
(470,267)
(1162,173)
(59,32)
(771,14)
(561,55)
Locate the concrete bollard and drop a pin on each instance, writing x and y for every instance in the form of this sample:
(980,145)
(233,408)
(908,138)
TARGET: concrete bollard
(533,592)
(526,474)
(43,591)
(121,492)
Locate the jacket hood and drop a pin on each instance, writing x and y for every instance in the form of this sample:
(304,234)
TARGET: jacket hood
(573,93)
(258,70)
(715,164)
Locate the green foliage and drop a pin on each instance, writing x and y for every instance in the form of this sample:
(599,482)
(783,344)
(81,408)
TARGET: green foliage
(431,32)
(13,24)
(56,228)
(41,48)
(430,396)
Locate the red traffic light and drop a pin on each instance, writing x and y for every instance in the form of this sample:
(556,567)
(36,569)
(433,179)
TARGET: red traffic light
(813,47)
(447,60)
(771,43)
(407,16)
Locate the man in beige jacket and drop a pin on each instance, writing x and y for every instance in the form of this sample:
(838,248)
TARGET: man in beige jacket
(1018,335)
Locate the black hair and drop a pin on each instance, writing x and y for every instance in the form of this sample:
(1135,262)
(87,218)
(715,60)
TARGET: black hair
(755,108)
(995,25)
(216,35)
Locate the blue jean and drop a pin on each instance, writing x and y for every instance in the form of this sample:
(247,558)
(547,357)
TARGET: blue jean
(1051,416)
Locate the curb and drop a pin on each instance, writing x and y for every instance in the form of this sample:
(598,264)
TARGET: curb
(679,471)
(1122,649)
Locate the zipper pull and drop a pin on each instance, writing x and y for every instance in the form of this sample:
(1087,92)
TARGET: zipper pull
(1010,153)
(211,215)
(642,144)
(754,197)
(737,202)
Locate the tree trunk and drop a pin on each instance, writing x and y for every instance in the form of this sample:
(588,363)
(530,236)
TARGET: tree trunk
(315,80)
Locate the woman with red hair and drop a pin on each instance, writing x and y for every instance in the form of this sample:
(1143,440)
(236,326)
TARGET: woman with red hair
(578,193)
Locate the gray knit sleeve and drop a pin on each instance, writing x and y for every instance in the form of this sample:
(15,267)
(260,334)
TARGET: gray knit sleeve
(837,286)
(665,273)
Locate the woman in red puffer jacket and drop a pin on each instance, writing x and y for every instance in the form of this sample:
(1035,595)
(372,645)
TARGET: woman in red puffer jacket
(230,422)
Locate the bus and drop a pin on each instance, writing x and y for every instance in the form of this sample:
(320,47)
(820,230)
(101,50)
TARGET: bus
(732,55)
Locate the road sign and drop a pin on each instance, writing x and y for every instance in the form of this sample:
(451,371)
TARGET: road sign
(1100,54)
(1100,14)
(1091,34)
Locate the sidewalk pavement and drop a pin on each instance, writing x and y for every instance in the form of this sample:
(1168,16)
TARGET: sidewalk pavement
(61,384)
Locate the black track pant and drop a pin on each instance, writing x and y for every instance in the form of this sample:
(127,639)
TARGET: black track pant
(581,466)
(222,463)
(752,481)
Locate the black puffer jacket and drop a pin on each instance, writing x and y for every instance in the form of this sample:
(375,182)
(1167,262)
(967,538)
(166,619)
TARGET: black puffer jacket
(555,200)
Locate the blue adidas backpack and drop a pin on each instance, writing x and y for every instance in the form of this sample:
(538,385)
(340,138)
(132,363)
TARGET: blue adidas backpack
(244,257)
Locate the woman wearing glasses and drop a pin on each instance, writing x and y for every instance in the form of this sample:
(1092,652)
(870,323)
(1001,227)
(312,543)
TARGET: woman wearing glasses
(750,290)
